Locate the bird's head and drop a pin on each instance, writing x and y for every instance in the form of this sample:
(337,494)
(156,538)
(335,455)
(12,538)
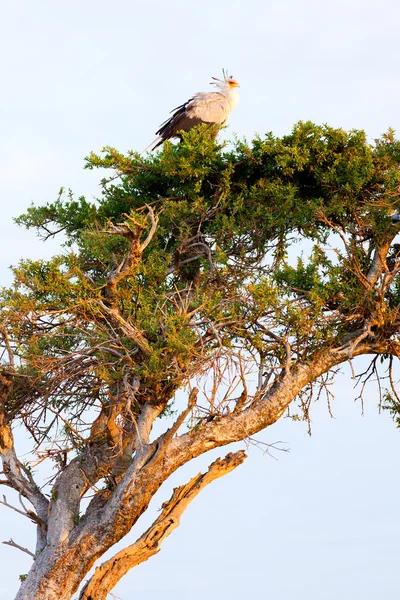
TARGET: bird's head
(226,83)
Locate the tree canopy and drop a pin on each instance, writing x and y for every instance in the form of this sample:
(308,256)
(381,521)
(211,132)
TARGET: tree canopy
(241,275)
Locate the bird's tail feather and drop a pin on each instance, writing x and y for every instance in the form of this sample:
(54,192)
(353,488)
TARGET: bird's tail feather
(154,144)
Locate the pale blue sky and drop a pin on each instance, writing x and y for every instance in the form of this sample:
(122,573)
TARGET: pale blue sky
(322,520)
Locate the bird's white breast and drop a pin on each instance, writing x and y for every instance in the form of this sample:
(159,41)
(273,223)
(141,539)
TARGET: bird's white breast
(233,97)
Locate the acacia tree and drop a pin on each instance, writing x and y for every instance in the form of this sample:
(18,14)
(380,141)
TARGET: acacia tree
(178,279)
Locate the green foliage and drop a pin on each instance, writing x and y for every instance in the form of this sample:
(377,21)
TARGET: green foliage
(391,402)
(217,275)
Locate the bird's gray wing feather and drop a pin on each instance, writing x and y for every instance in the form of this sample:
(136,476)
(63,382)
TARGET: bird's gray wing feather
(212,108)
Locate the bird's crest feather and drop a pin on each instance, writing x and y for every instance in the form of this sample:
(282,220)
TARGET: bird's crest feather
(225,79)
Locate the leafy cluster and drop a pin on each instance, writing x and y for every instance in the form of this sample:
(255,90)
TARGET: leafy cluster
(114,321)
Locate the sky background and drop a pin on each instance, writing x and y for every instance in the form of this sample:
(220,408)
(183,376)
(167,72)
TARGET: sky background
(320,521)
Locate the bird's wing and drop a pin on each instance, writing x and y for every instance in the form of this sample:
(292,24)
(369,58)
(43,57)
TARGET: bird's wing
(178,122)
(182,119)
(212,108)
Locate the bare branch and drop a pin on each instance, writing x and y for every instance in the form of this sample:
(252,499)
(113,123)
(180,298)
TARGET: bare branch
(5,482)
(168,435)
(131,230)
(145,422)
(109,573)
(26,513)
(378,264)
(153,227)
(17,475)
(271,404)
(15,545)
(4,334)
(127,327)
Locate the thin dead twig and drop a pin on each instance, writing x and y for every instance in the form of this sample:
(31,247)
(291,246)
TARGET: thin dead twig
(25,513)
(15,545)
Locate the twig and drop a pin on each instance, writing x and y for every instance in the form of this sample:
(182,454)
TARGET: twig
(165,439)
(3,332)
(15,545)
(26,513)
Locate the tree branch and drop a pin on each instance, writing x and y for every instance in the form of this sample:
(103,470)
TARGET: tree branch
(109,573)
(7,343)
(165,439)
(17,475)
(26,513)
(270,406)
(378,264)
(15,545)
(132,230)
